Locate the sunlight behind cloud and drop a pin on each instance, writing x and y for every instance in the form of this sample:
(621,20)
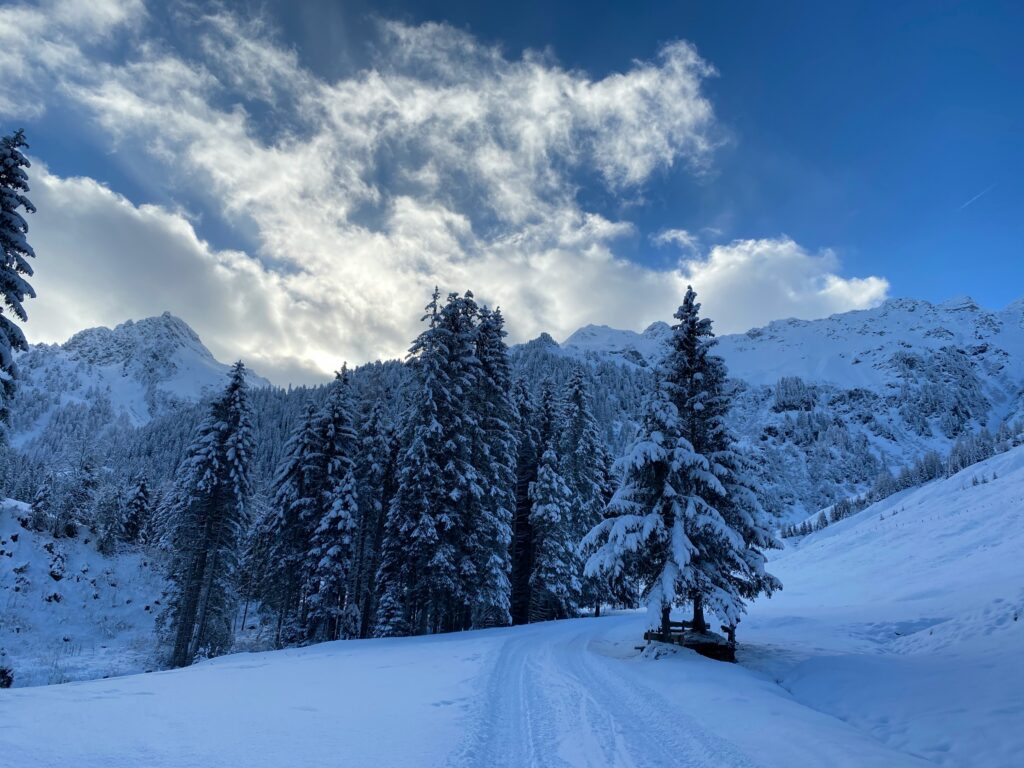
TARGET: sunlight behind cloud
(444,163)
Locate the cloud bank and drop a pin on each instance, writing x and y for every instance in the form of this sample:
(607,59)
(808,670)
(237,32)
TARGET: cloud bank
(446,162)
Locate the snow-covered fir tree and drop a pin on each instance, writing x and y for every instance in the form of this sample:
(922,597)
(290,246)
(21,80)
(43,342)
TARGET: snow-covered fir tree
(444,555)
(378,456)
(207,521)
(673,520)
(582,463)
(527,455)
(43,513)
(15,252)
(298,494)
(555,572)
(495,458)
(329,559)
(138,511)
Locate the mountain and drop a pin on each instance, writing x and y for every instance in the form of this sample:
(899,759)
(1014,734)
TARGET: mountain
(827,405)
(123,376)
(639,349)
(863,348)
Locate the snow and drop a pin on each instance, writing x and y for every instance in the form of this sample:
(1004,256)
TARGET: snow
(907,619)
(894,643)
(851,349)
(562,693)
(102,623)
(142,367)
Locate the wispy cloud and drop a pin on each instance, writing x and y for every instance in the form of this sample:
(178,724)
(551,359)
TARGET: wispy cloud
(681,238)
(978,196)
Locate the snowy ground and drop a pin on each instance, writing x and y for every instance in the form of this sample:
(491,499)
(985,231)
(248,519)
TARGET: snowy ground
(895,643)
(567,693)
(907,620)
(69,613)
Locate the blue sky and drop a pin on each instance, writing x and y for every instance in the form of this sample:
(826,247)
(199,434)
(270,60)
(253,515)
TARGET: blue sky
(318,166)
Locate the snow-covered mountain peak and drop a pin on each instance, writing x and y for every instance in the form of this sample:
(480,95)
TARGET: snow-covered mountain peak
(157,338)
(657,330)
(960,304)
(133,372)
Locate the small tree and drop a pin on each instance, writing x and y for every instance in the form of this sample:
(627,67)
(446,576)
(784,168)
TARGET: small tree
(138,510)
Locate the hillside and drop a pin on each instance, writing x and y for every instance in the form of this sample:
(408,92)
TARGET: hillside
(68,612)
(893,644)
(825,406)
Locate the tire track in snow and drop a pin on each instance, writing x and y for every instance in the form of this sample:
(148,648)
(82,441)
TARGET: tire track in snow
(551,701)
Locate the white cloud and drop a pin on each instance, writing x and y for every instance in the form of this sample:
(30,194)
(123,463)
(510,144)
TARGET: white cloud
(681,238)
(446,163)
(748,283)
(40,44)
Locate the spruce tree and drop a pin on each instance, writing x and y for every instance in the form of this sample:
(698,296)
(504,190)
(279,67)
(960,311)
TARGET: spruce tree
(495,462)
(425,563)
(14,265)
(555,574)
(298,488)
(683,517)
(138,510)
(527,456)
(582,457)
(43,514)
(209,517)
(109,518)
(329,558)
(378,455)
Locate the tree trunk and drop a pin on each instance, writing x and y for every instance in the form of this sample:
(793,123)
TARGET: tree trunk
(699,624)
(666,628)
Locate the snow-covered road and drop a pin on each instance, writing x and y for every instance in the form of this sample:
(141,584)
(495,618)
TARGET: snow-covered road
(557,695)
(579,693)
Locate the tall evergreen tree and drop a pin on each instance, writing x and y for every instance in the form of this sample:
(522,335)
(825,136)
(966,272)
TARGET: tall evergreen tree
(298,489)
(209,518)
(490,523)
(555,575)
(377,466)
(329,558)
(582,458)
(673,520)
(726,571)
(527,456)
(14,265)
(444,557)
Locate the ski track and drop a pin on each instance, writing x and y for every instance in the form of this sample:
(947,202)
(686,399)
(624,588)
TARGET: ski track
(552,701)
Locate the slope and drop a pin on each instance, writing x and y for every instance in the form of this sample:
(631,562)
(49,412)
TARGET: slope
(68,612)
(569,693)
(907,619)
(103,378)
